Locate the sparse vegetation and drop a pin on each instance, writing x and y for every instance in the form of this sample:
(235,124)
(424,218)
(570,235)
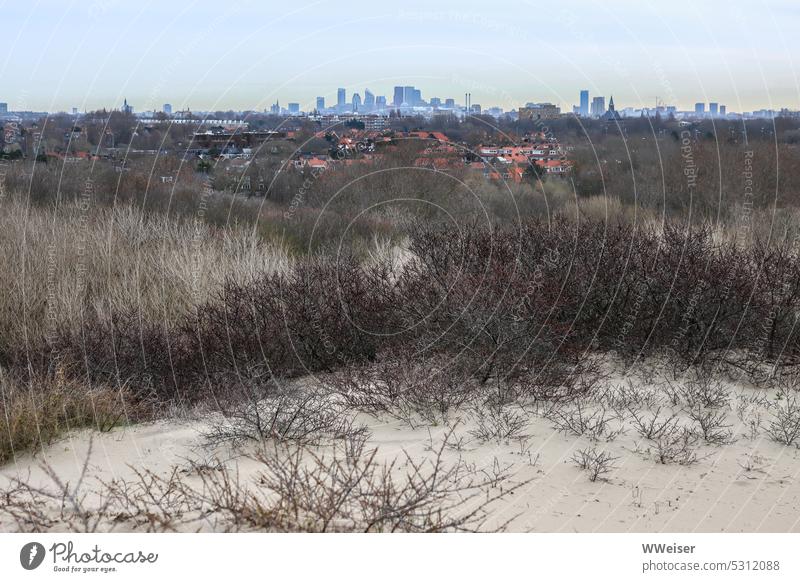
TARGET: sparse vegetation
(654,425)
(297,490)
(500,423)
(281,414)
(598,464)
(785,424)
(712,426)
(576,420)
(676,445)
(36,411)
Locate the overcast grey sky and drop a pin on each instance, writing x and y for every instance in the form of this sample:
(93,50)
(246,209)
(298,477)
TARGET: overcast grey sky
(243,54)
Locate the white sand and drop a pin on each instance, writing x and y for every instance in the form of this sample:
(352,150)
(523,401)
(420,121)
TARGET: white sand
(713,495)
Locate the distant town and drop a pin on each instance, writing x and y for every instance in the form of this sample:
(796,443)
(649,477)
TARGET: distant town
(527,143)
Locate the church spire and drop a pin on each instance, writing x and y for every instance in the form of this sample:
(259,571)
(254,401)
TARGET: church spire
(611,104)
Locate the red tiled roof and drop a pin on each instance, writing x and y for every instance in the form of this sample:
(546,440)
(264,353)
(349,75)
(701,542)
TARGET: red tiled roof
(317,163)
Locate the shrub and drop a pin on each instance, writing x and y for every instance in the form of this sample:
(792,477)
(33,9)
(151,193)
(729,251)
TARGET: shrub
(596,463)
(576,420)
(36,411)
(262,413)
(414,389)
(785,424)
(712,425)
(653,426)
(320,315)
(296,490)
(498,423)
(704,391)
(676,445)
(127,350)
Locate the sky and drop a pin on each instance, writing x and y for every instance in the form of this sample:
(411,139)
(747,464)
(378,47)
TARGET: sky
(246,54)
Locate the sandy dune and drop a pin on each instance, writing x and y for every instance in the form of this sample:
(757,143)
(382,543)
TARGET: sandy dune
(750,485)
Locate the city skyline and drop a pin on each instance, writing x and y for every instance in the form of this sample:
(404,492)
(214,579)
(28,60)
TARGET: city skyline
(249,56)
(410,98)
(586,103)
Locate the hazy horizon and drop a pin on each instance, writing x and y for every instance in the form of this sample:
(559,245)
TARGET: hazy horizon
(247,55)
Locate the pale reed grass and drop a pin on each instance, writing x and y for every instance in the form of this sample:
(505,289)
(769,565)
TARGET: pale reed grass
(60,265)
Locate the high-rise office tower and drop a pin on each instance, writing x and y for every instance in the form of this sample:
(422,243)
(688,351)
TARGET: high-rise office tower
(3,108)
(450,103)
(583,109)
(713,109)
(408,95)
(320,103)
(341,98)
(598,106)
(700,108)
(167,109)
(380,102)
(356,102)
(294,108)
(397,101)
(369,100)
(723,110)
(416,98)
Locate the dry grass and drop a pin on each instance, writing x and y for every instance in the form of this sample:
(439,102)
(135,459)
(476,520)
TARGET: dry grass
(61,265)
(36,412)
(608,209)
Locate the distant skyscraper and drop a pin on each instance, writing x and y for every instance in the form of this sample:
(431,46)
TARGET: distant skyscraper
(598,106)
(167,109)
(341,98)
(74,111)
(408,95)
(294,108)
(723,110)
(380,102)
(450,103)
(436,102)
(700,108)
(275,108)
(416,97)
(3,108)
(583,109)
(369,99)
(713,109)
(320,103)
(397,101)
(356,102)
